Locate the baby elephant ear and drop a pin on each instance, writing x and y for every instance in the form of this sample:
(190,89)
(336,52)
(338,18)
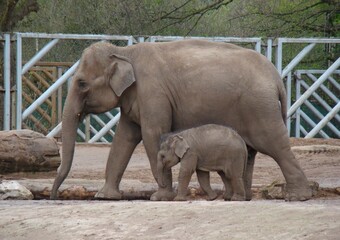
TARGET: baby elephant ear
(181,147)
(120,74)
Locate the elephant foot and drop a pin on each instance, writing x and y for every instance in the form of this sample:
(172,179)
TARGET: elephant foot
(163,195)
(227,196)
(298,193)
(180,198)
(212,196)
(108,194)
(249,195)
(237,197)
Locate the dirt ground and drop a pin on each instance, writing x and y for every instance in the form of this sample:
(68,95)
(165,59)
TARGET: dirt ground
(318,218)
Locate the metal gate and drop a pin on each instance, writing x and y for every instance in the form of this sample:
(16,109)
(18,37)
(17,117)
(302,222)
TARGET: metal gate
(319,87)
(313,94)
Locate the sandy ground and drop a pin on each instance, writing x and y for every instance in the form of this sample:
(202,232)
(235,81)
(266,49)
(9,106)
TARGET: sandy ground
(318,218)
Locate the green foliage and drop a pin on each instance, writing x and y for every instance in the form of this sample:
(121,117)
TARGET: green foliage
(265,18)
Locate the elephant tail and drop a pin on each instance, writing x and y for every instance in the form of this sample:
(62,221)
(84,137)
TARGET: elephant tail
(283,100)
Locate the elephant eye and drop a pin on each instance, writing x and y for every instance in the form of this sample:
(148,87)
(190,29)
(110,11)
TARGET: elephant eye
(82,84)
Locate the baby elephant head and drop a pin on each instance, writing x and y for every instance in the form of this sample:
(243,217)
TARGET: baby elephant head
(171,151)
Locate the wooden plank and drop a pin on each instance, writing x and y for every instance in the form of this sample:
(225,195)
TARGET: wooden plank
(53,64)
(49,75)
(43,75)
(38,124)
(34,88)
(40,79)
(42,112)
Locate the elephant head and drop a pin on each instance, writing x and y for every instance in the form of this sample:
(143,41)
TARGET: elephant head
(99,82)
(171,152)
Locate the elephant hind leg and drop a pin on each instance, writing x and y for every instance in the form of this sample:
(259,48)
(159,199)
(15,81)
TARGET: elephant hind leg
(238,189)
(275,143)
(204,181)
(297,188)
(227,185)
(248,176)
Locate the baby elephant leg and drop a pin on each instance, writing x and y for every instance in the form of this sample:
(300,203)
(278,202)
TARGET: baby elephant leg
(204,181)
(238,189)
(227,185)
(183,182)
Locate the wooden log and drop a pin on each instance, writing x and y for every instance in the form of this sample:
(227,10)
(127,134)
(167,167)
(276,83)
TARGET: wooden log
(27,151)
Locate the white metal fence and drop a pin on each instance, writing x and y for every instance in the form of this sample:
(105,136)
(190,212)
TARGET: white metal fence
(313,100)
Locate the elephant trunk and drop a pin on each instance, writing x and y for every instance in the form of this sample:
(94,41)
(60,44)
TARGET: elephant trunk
(70,124)
(160,172)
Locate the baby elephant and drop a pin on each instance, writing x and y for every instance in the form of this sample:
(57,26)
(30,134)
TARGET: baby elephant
(202,149)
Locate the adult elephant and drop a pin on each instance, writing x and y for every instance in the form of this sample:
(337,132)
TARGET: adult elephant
(162,87)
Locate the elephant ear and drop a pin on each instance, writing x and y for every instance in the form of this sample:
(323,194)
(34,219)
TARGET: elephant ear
(181,146)
(120,74)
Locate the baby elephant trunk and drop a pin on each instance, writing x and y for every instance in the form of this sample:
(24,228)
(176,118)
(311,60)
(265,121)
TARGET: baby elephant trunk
(160,172)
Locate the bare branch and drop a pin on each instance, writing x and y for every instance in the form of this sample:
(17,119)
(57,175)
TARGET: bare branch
(173,11)
(176,16)
(290,13)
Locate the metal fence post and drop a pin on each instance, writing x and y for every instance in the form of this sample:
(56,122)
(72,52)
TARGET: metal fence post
(269,51)
(141,39)
(7,81)
(289,98)
(258,46)
(19,82)
(130,41)
(278,57)
(297,114)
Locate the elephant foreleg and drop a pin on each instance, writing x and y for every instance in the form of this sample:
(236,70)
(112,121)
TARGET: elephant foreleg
(128,135)
(183,183)
(188,167)
(151,142)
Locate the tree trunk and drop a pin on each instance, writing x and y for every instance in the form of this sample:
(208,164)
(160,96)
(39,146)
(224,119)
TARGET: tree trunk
(27,151)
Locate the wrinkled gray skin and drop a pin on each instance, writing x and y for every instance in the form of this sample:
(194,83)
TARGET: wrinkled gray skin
(163,87)
(202,149)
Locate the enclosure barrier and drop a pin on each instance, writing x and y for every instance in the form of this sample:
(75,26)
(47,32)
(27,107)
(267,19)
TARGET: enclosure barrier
(291,70)
(307,91)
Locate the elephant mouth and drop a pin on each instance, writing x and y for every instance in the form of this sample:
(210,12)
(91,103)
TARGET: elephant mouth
(93,108)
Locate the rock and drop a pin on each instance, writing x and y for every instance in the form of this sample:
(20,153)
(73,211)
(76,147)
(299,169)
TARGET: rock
(277,190)
(315,187)
(337,190)
(27,151)
(273,191)
(14,190)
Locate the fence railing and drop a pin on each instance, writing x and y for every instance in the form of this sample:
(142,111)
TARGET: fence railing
(291,57)
(293,67)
